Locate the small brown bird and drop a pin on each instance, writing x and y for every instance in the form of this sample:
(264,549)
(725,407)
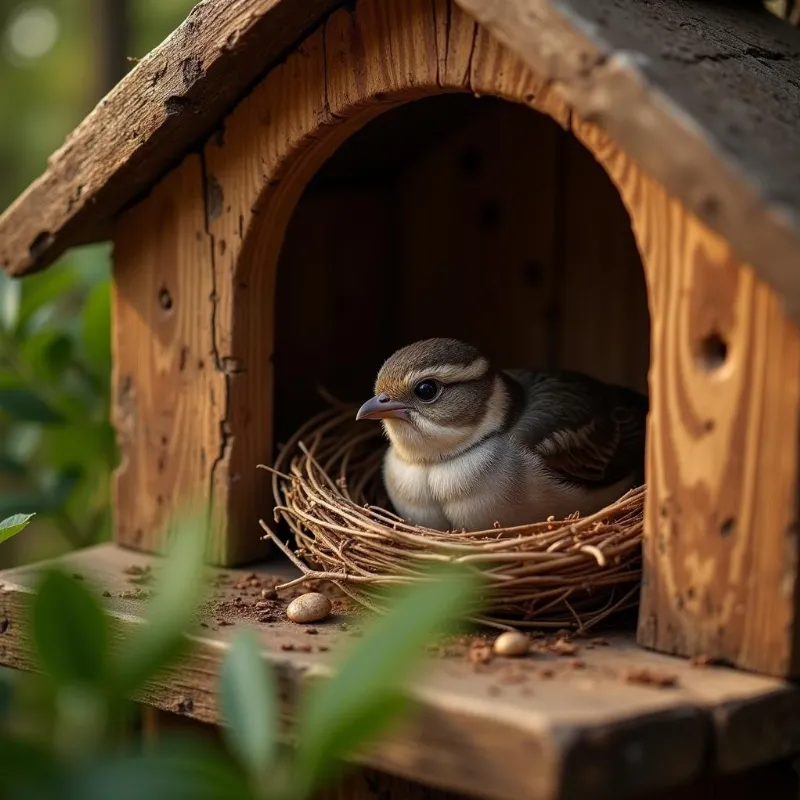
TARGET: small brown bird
(472,446)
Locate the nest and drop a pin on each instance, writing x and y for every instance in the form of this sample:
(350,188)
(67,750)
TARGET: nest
(568,573)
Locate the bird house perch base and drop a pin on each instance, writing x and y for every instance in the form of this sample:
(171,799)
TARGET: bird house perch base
(589,725)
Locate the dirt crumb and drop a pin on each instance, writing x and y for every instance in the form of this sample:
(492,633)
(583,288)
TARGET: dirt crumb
(562,647)
(650,677)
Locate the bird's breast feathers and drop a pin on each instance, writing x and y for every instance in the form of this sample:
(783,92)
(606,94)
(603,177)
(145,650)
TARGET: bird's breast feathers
(494,482)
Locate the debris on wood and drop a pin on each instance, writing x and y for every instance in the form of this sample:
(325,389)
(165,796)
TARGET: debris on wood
(650,677)
(704,661)
(480,652)
(562,647)
(135,594)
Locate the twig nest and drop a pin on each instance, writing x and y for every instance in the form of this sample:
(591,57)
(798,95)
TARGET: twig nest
(512,644)
(309,607)
(566,573)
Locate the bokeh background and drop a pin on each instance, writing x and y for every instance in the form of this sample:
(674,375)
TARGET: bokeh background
(57,448)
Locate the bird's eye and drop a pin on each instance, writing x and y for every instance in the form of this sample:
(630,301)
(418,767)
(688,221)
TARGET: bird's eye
(426,391)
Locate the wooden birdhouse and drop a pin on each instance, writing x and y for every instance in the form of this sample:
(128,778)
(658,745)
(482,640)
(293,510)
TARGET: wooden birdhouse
(293,190)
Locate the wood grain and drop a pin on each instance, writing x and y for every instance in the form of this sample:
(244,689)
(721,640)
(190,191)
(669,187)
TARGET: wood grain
(721,566)
(358,783)
(168,404)
(777,780)
(604,326)
(476,237)
(579,735)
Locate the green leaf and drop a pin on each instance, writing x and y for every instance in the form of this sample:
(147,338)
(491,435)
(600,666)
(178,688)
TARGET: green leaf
(51,496)
(97,327)
(11,526)
(171,610)
(44,288)
(70,631)
(48,353)
(366,693)
(28,771)
(6,695)
(10,293)
(23,405)
(12,466)
(247,701)
(183,769)
(80,444)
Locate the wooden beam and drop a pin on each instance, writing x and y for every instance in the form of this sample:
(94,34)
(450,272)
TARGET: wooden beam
(544,728)
(721,572)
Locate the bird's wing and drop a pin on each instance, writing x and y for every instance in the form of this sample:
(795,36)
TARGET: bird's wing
(584,430)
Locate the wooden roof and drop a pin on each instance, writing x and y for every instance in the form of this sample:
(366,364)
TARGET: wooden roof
(705,96)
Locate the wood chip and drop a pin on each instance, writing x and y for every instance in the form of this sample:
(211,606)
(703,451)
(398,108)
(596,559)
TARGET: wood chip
(562,647)
(650,677)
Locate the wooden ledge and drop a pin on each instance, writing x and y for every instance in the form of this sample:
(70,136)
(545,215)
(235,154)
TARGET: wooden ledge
(543,728)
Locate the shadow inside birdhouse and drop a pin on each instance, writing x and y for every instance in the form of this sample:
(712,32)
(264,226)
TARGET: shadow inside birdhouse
(455,216)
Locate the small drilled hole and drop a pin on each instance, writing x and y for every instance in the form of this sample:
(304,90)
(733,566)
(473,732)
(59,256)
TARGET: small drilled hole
(727,527)
(165,299)
(713,352)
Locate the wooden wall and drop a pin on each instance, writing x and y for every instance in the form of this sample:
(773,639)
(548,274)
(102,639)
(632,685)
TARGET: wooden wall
(465,217)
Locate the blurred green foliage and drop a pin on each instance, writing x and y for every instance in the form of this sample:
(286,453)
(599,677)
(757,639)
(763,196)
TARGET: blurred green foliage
(57,449)
(62,730)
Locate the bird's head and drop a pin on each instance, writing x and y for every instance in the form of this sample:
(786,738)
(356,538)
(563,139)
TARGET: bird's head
(436,397)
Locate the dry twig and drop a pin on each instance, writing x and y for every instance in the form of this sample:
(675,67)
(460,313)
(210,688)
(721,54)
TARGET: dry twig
(555,574)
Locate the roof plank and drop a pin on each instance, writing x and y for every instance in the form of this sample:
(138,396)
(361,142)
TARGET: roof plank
(542,727)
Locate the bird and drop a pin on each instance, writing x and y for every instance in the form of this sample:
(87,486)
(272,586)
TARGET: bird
(473,447)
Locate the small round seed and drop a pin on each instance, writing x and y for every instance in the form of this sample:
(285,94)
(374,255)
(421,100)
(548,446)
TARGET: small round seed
(310,607)
(512,643)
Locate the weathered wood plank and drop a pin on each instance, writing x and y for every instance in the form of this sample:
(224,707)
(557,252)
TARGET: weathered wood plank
(722,576)
(777,780)
(503,730)
(603,321)
(169,393)
(489,250)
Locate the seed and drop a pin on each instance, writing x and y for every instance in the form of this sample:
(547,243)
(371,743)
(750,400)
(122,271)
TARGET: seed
(511,644)
(310,607)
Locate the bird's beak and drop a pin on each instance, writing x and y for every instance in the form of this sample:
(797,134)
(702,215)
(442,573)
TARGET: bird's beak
(381,407)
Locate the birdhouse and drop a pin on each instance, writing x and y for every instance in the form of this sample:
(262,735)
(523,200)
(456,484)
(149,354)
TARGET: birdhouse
(294,190)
